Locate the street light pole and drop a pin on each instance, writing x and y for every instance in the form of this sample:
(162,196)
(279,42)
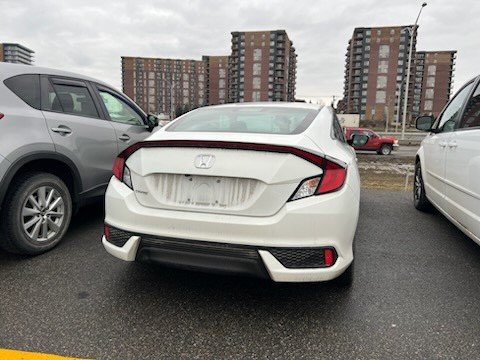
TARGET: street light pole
(399,97)
(407,86)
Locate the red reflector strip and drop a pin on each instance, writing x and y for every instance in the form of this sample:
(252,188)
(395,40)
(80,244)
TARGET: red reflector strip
(106,231)
(329,257)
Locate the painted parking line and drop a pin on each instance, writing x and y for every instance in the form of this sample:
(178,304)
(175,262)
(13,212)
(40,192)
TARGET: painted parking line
(7,354)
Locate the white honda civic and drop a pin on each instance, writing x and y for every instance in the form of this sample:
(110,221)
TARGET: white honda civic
(264,189)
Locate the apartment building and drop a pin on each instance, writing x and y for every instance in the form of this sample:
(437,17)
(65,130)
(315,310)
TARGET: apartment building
(217,79)
(262,67)
(375,72)
(434,71)
(165,85)
(16,53)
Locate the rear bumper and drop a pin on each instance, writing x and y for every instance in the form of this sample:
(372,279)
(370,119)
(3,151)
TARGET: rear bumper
(325,221)
(266,263)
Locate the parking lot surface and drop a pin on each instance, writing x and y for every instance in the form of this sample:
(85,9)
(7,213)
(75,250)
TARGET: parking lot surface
(416,295)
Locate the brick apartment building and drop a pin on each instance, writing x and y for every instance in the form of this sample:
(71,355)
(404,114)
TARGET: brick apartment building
(433,81)
(164,85)
(262,67)
(217,77)
(16,53)
(375,71)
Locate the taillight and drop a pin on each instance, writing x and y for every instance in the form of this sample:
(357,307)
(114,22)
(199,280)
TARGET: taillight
(333,178)
(118,166)
(1,115)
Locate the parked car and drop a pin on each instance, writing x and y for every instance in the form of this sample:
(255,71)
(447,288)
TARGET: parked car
(381,144)
(447,165)
(270,190)
(60,133)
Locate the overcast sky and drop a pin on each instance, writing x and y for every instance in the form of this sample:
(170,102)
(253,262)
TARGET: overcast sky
(90,36)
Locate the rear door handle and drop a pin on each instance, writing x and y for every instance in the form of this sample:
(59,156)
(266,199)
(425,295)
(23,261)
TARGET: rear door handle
(442,144)
(452,144)
(63,130)
(124,137)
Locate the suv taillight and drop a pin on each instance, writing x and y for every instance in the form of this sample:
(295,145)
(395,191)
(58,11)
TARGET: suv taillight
(1,115)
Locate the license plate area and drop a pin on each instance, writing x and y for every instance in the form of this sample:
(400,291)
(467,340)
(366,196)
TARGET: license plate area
(205,191)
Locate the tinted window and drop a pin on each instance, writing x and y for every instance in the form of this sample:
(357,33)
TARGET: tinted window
(69,99)
(246,119)
(447,120)
(119,110)
(26,87)
(471,116)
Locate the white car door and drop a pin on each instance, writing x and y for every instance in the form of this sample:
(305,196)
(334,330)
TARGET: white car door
(462,175)
(435,148)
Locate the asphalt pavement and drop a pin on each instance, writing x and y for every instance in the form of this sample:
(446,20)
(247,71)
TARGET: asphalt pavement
(416,295)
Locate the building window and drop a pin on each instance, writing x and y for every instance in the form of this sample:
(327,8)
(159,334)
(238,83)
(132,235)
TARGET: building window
(379,32)
(257,54)
(428,105)
(257,68)
(383,66)
(221,83)
(380,97)
(384,51)
(256,83)
(368,32)
(222,73)
(431,81)
(429,94)
(381,82)
(256,96)
(432,69)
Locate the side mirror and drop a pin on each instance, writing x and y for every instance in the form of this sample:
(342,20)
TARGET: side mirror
(358,140)
(424,123)
(152,121)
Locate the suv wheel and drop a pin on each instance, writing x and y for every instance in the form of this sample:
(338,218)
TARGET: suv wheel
(36,214)
(419,198)
(385,149)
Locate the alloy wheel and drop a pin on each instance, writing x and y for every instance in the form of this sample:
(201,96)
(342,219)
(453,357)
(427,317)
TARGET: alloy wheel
(43,213)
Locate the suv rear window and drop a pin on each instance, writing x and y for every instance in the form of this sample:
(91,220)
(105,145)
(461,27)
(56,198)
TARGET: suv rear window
(26,87)
(246,119)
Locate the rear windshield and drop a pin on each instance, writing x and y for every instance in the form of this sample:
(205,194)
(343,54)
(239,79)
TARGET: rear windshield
(246,119)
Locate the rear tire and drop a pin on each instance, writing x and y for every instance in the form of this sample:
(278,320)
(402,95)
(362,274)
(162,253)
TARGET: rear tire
(385,149)
(36,214)
(420,200)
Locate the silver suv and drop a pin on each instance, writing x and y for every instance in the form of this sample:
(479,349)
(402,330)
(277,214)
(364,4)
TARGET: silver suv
(59,135)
